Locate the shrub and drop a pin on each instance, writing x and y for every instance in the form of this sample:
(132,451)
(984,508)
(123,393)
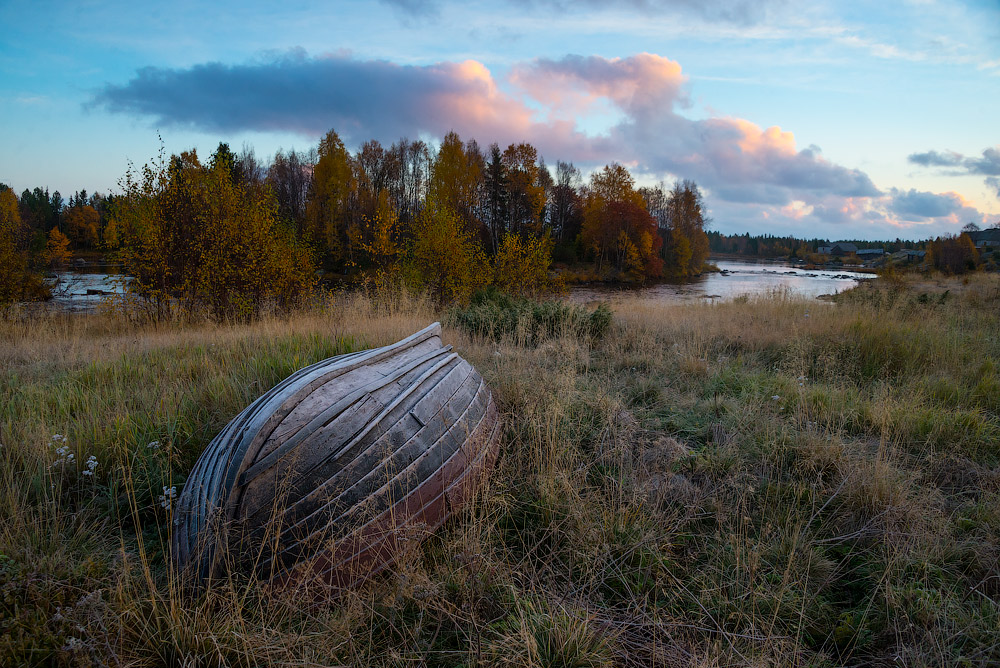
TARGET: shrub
(494,315)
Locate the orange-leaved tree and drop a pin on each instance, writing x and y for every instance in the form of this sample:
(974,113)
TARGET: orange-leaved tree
(82,223)
(617,228)
(57,252)
(193,236)
(381,241)
(328,209)
(455,179)
(14,273)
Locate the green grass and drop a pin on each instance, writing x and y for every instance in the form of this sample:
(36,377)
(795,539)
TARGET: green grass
(727,484)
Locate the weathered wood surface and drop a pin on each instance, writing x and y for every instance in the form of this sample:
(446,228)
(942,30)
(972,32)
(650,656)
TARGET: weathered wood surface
(326,477)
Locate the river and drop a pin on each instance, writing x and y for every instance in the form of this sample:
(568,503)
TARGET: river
(735,278)
(81,289)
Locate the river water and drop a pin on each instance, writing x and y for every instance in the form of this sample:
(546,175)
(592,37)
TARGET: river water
(83,289)
(736,278)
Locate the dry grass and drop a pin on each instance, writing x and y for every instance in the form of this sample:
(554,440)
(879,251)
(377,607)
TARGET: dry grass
(767,482)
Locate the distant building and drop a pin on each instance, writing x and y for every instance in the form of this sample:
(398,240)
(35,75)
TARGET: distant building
(984,238)
(869,253)
(838,249)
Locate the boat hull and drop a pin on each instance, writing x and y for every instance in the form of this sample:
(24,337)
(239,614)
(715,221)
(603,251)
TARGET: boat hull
(332,474)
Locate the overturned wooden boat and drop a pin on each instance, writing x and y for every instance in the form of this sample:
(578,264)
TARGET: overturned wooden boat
(326,478)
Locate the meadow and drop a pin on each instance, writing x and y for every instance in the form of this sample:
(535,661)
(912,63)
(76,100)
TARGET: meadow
(764,482)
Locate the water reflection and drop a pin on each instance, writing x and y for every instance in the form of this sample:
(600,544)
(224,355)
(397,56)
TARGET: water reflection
(736,278)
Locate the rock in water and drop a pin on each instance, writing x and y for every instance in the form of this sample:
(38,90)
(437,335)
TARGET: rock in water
(324,479)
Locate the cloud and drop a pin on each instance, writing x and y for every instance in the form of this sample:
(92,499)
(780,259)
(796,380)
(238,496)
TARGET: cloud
(298,93)
(922,204)
(988,164)
(740,12)
(936,159)
(956,164)
(546,102)
(731,11)
(994,183)
(415,8)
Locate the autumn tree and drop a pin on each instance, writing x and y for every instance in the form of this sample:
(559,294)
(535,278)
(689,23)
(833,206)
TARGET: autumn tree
(521,264)
(953,254)
(685,244)
(525,195)
(444,258)
(382,243)
(195,236)
(327,212)
(82,222)
(289,176)
(456,176)
(566,214)
(617,228)
(14,269)
(57,253)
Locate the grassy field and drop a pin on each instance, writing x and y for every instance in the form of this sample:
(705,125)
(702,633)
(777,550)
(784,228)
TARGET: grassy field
(765,482)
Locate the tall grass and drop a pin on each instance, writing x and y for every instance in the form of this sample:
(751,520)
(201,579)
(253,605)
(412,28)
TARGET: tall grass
(771,482)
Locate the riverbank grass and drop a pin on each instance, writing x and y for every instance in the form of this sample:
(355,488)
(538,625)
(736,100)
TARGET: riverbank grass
(764,482)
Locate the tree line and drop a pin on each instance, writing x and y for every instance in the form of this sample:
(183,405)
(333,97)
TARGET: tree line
(949,253)
(232,232)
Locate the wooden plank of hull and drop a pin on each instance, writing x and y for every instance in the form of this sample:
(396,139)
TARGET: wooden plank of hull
(332,480)
(337,459)
(376,545)
(369,496)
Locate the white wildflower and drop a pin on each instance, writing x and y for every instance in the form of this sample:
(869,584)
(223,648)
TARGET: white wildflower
(91,465)
(167,498)
(775,398)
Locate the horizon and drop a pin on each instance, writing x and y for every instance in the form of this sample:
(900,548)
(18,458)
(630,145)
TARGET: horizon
(835,121)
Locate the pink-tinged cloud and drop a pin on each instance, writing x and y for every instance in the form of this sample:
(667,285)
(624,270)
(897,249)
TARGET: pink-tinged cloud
(640,86)
(743,167)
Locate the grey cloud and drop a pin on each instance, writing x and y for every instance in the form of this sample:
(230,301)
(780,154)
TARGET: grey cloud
(923,205)
(743,12)
(415,8)
(294,92)
(994,183)
(956,164)
(988,164)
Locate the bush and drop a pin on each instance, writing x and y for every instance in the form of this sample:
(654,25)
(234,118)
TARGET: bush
(494,315)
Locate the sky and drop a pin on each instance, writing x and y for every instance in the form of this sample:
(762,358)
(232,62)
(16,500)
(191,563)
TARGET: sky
(842,120)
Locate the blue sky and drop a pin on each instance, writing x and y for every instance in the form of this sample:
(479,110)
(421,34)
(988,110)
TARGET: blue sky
(837,119)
